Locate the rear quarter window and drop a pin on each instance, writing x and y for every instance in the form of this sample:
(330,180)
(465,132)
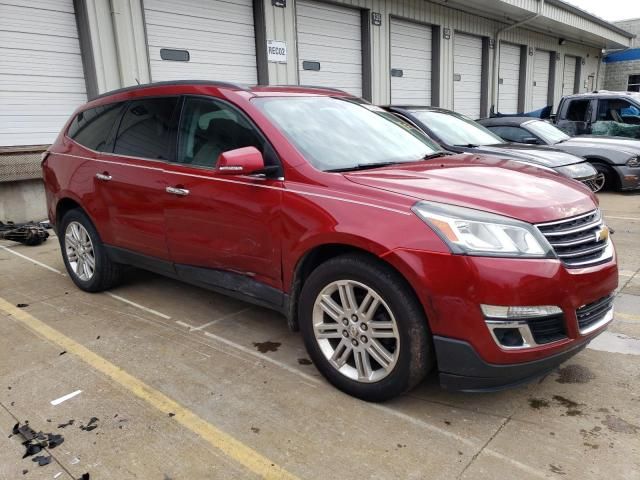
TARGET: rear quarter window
(91,128)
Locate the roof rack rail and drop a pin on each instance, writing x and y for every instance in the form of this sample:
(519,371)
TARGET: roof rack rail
(316,87)
(212,83)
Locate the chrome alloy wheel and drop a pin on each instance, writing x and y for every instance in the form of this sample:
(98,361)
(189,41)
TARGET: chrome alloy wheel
(597,183)
(79,251)
(356,331)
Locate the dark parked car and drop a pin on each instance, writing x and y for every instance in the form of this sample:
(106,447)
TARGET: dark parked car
(460,134)
(600,113)
(616,158)
(392,257)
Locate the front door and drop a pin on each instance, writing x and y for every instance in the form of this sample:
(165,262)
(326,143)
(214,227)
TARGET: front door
(221,228)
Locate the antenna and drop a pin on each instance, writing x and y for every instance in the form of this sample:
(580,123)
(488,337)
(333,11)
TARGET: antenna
(137,81)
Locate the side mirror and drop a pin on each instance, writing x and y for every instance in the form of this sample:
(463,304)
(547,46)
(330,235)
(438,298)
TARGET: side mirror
(241,161)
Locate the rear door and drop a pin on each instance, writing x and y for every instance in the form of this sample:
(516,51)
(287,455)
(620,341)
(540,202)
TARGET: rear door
(131,180)
(222,230)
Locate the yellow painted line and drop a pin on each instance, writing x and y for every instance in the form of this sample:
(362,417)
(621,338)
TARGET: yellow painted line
(627,316)
(218,439)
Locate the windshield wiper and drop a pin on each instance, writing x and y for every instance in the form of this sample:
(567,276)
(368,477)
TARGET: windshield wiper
(467,145)
(362,166)
(442,153)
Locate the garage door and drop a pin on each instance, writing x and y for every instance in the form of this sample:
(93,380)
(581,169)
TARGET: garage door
(467,74)
(541,70)
(410,63)
(219,37)
(569,75)
(41,75)
(509,78)
(329,46)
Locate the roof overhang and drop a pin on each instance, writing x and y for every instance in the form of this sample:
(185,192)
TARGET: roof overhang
(558,19)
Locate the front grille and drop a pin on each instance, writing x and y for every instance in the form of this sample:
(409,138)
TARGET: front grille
(547,329)
(578,241)
(592,313)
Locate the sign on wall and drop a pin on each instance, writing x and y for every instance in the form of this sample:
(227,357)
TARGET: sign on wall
(277,51)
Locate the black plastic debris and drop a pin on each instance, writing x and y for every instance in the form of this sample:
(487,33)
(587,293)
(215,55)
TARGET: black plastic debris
(22,305)
(42,460)
(25,471)
(68,424)
(91,425)
(62,352)
(85,476)
(27,233)
(34,442)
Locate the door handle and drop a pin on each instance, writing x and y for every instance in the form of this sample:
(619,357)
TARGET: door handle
(183,192)
(103,176)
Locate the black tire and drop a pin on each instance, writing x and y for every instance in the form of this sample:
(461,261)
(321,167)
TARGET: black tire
(415,357)
(611,179)
(107,273)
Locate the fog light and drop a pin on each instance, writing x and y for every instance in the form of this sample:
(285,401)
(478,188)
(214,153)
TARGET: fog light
(514,313)
(508,337)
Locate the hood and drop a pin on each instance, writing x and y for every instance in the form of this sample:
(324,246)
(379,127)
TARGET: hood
(540,155)
(484,183)
(620,144)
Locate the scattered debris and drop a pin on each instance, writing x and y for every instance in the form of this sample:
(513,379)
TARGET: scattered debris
(64,398)
(171,414)
(98,337)
(34,441)
(41,460)
(57,475)
(255,430)
(27,233)
(68,424)
(91,425)
(556,469)
(62,352)
(304,361)
(22,305)
(268,346)
(74,461)
(85,476)
(25,471)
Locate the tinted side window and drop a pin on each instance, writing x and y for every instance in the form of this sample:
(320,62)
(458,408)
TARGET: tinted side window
(210,127)
(146,130)
(614,110)
(92,127)
(577,110)
(512,134)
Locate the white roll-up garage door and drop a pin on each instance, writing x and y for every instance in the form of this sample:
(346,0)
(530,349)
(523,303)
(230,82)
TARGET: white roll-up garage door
(410,63)
(41,76)
(569,75)
(219,36)
(509,78)
(329,46)
(467,74)
(541,70)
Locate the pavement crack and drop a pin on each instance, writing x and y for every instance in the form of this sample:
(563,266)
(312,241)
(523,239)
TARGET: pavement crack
(486,444)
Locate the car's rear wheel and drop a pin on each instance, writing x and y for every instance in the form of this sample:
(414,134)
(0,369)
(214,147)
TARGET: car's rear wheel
(364,329)
(84,255)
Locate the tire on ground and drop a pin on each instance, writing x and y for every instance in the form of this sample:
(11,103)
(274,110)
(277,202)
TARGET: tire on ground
(107,273)
(415,358)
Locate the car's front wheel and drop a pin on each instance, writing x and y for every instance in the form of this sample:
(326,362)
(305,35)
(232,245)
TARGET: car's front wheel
(84,255)
(364,329)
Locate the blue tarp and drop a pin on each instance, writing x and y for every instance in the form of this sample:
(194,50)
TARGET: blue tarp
(623,56)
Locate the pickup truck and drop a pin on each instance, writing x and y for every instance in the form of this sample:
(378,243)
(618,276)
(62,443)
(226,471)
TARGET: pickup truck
(615,114)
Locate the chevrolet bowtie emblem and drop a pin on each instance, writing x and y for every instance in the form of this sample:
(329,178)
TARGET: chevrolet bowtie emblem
(602,234)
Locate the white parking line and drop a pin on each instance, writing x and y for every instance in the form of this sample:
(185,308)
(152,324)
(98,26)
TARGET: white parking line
(32,260)
(137,305)
(633,219)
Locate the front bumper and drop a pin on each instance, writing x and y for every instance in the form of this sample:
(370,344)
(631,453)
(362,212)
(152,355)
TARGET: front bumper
(461,368)
(629,177)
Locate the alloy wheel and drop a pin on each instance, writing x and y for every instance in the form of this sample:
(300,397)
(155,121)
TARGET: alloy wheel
(79,251)
(597,183)
(356,331)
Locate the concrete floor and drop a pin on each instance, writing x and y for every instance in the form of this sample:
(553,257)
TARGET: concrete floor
(187,384)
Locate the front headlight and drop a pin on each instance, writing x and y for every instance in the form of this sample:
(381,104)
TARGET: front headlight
(578,170)
(634,162)
(474,232)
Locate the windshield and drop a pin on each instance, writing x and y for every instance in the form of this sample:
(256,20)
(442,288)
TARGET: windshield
(547,132)
(454,129)
(336,134)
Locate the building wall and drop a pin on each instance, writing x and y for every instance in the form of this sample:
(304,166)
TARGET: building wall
(631,26)
(617,74)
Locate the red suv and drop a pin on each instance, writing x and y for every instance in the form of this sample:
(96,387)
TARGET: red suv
(393,257)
